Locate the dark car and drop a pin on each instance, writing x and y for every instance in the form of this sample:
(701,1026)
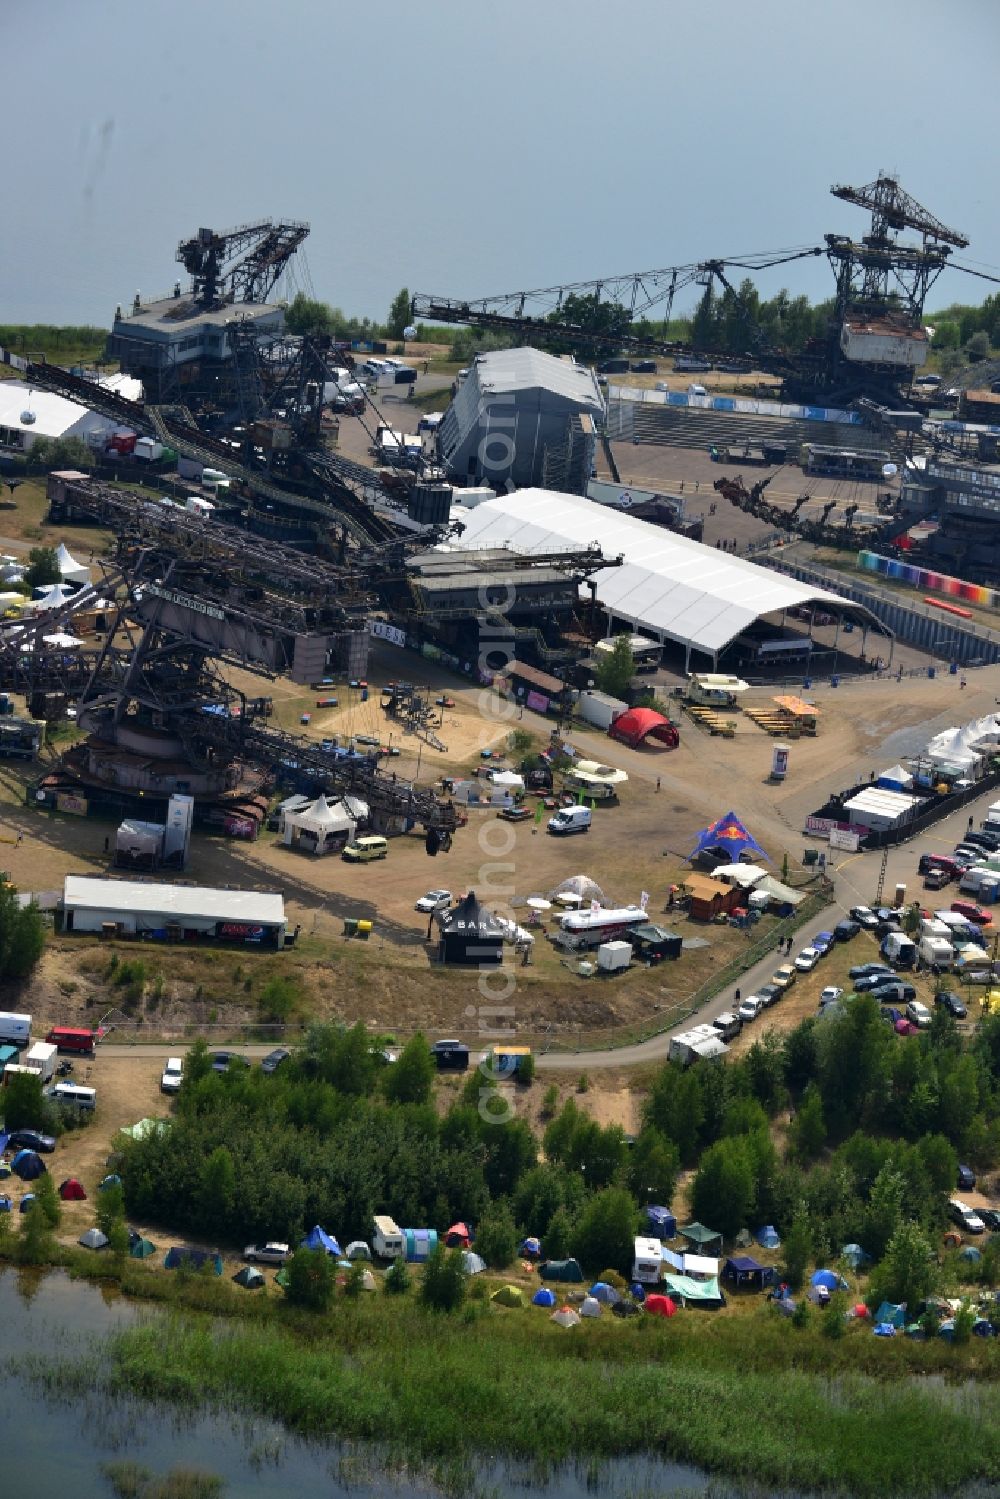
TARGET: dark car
(936,879)
(845,930)
(516,814)
(822,942)
(769,993)
(30,1139)
(223,1060)
(274,1059)
(891,1015)
(888,919)
(951,1002)
(991,1217)
(868,970)
(894,991)
(966,1179)
(982,840)
(864,916)
(871,981)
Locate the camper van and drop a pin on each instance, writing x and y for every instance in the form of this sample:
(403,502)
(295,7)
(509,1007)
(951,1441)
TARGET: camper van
(75,1094)
(15,1030)
(583,929)
(364,850)
(647,1262)
(387,1240)
(570,820)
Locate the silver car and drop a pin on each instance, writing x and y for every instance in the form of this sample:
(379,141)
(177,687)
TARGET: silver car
(268,1254)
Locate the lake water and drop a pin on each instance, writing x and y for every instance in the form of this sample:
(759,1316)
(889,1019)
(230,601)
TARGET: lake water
(56,1447)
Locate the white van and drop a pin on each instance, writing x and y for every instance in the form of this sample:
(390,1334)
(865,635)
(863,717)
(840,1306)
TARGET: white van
(387,1240)
(570,820)
(15,1030)
(74,1093)
(697,390)
(364,850)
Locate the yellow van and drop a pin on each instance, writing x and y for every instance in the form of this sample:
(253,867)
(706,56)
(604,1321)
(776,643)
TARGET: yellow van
(364,850)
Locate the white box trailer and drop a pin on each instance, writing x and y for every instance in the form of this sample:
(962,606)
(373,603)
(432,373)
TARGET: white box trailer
(599,708)
(612,957)
(15,1029)
(42,1059)
(387,1239)
(647,1261)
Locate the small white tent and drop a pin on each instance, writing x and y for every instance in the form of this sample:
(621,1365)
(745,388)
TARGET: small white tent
(70,570)
(54,596)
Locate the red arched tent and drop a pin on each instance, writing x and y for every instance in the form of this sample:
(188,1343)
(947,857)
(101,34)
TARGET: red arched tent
(638,724)
(660,1306)
(72,1191)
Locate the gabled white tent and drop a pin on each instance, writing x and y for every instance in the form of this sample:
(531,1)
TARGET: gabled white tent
(318,826)
(70,570)
(53,597)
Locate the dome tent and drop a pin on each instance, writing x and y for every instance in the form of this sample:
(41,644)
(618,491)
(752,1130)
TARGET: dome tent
(71,1190)
(637,725)
(544,1297)
(584,888)
(318,1238)
(319,827)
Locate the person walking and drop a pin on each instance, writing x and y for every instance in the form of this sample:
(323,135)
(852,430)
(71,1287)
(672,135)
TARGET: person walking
(657,783)
(736,996)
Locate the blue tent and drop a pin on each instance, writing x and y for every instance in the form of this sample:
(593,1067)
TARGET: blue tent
(730,835)
(544,1297)
(5,1205)
(891,1313)
(531,1247)
(855,1256)
(831,1280)
(318,1238)
(983,1328)
(970,1253)
(638,1291)
(767,1237)
(27,1165)
(192,1258)
(661,1221)
(419,1244)
(114,1180)
(26,1201)
(604,1293)
(884,1330)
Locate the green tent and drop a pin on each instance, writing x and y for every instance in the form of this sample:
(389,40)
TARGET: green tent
(281,1279)
(145,1127)
(141,1249)
(703,1293)
(707,1240)
(561,1270)
(508,1296)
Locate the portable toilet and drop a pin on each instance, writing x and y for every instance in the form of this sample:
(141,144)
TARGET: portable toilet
(419,1244)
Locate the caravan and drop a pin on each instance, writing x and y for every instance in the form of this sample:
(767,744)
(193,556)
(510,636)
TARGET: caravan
(647,1262)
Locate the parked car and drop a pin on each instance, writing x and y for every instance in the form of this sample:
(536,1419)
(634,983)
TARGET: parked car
(822,942)
(951,1002)
(867,970)
(516,814)
(750,1008)
(434,900)
(966,1179)
(271,1253)
(784,977)
(967,1218)
(871,981)
(972,912)
(891,1015)
(31,1139)
(865,917)
(223,1060)
(173,1074)
(829,994)
(807,959)
(845,930)
(936,879)
(985,840)
(274,1059)
(991,1217)
(918,1013)
(769,994)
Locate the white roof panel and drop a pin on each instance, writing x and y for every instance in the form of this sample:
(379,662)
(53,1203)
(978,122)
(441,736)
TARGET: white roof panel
(667,583)
(508,370)
(81,892)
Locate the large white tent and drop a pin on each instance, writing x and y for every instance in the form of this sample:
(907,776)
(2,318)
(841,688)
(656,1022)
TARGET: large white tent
(70,570)
(318,827)
(667,586)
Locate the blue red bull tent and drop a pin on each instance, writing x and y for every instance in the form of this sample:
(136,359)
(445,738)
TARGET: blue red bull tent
(730,836)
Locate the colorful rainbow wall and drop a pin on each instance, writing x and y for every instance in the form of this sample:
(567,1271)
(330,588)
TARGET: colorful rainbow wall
(919,577)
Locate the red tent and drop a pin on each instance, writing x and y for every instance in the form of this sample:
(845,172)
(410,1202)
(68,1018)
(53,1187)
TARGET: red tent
(638,724)
(458,1236)
(72,1191)
(660,1306)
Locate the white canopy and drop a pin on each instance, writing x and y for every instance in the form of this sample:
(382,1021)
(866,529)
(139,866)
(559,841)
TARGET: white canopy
(54,596)
(321,818)
(744,875)
(607,773)
(898,774)
(63,642)
(69,568)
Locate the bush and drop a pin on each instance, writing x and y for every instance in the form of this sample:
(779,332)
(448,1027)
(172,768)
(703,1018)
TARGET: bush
(802,1315)
(526,1070)
(397,1279)
(311,1279)
(833,1324)
(550,1102)
(583,1083)
(24,1101)
(443,1285)
(354,1283)
(496,1237)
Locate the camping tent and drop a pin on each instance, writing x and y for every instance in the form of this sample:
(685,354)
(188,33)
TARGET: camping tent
(71,1190)
(854,1256)
(661,1221)
(531,1247)
(605,1294)
(28,1165)
(249,1278)
(624,1308)
(746,1274)
(637,725)
(892,1313)
(703,1293)
(544,1297)
(829,1280)
(188,1256)
(145,1127)
(731,836)
(458,1236)
(591,1307)
(140,1248)
(661,1306)
(419,1244)
(6,1206)
(94,1239)
(114,1180)
(357,1249)
(318,1238)
(26,1201)
(767,1237)
(473,1264)
(707,1240)
(561,1270)
(508,1296)
(565,1317)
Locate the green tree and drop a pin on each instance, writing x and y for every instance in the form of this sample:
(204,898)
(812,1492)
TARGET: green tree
(217,1188)
(306,315)
(808,1132)
(397,1278)
(797,1246)
(354,1282)
(884,1213)
(605,1234)
(399,313)
(722,1193)
(978,346)
(907,1271)
(559,1236)
(676,1108)
(24,1101)
(653,1164)
(47,1199)
(312,1279)
(833,1325)
(43,567)
(22,935)
(496,1236)
(410,1079)
(110,1207)
(615,668)
(61,453)
(444,1281)
(35,1239)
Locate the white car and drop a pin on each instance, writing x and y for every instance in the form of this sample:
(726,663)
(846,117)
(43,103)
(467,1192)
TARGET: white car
(807,959)
(864,916)
(829,994)
(966,1217)
(750,1008)
(919,1014)
(173,1074)
(434,900)
(268,1254)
